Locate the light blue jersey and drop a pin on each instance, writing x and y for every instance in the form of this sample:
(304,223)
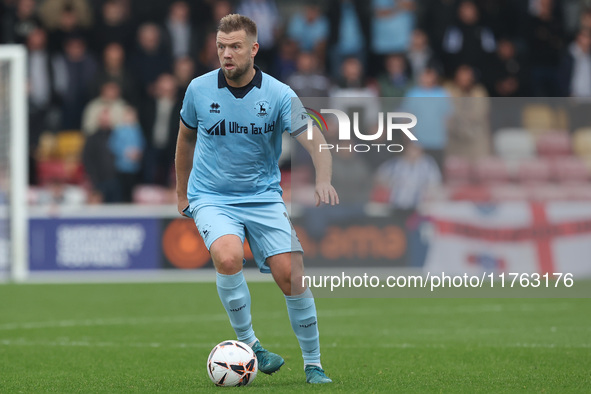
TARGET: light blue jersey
(238,139)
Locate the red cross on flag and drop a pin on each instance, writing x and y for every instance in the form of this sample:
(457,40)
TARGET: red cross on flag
(524,237)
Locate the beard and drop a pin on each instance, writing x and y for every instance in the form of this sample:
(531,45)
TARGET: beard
(238,72)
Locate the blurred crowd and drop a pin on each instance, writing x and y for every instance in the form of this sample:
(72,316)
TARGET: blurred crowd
(107,77)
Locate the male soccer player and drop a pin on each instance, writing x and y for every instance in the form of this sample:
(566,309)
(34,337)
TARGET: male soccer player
(228,181)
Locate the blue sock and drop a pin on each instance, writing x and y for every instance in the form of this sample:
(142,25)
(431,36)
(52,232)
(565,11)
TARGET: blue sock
(235,297)
(302,315)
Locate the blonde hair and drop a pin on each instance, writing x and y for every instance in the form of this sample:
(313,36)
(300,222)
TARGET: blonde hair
(235,22)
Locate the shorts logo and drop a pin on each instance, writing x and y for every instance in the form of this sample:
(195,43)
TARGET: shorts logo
(205,232)
(262,107)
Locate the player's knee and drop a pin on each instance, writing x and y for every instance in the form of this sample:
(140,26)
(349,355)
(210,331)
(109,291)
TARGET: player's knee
(285,287)
(297,284)
(228,264)
(291,285)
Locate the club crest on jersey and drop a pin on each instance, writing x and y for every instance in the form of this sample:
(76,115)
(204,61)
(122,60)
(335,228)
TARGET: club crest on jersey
(262,107)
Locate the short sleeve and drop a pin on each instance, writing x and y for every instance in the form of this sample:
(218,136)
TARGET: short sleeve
(293,114)
(189,110)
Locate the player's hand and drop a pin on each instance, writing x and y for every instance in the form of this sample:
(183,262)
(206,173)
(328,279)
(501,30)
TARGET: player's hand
(325,193)
(183,206)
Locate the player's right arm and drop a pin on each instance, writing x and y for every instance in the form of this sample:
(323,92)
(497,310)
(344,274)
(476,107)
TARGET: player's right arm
(185,147)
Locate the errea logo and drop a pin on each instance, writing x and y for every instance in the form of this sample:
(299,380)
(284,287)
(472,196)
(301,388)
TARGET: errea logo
(215,108)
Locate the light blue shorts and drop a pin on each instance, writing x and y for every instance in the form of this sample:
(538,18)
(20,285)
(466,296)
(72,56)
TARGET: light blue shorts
(266,226)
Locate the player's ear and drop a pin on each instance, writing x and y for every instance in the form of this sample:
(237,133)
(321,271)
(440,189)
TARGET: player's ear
(254,49)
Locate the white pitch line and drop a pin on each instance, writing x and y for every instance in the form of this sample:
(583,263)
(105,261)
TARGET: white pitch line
(491,308)
(118,321)
(542,345)
(132,321)
(66,342)
(322,314)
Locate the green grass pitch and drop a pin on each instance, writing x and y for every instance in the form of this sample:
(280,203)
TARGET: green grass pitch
(156,338)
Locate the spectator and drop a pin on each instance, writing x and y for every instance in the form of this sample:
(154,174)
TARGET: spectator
(42,94)
(127,144)
(392,25)
(160,118)
(17,24)
(502,16)
(575,68)
(65,19)
(202,16)
(419,55)
(286,63)
(52,13)
(182,37)
(352,75)
(429,85)
(184,72)
(220,8)
(506,75)
(545,45)
(266,16)
(353,93)
(114,70)
(468,40)
(469,131)
(113,26)
(434,18)
(99,162)
(7,11)
(75,71)
(110,101)
(396,80)
(307,81)
(349,34)
(464,84)
(575,78)
(208,56)
(309,28)
(151,58)
(153,10)
(585,19)
(430,103)
(408,179)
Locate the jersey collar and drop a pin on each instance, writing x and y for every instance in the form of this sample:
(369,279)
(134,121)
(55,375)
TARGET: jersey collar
(257,80)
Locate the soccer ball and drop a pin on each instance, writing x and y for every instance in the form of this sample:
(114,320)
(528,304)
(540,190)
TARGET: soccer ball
(232,363)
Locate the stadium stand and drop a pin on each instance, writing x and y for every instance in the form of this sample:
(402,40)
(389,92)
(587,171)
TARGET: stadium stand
(554,144)
(534,171)
(457,170)
(491,171)
(531,142)
(514,144)
(570,170)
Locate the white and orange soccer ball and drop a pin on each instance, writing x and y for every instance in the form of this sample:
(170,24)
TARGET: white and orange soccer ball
(232,363)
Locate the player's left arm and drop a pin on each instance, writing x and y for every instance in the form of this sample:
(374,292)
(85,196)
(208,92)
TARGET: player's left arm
(324,191)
